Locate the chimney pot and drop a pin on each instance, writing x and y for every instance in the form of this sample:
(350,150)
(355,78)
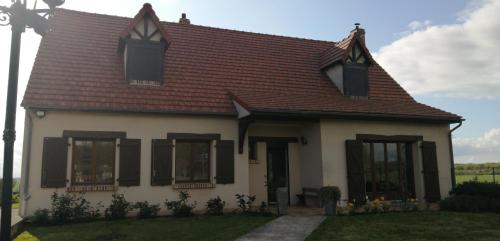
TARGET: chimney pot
(184,19)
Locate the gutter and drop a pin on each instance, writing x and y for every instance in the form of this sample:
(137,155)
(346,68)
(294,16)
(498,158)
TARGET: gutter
(26,159)
(452,158)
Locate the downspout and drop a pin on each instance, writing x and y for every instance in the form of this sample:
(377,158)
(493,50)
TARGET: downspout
(452,158)
(26,159)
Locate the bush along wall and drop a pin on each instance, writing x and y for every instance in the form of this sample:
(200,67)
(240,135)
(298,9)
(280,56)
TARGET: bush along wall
(473,197)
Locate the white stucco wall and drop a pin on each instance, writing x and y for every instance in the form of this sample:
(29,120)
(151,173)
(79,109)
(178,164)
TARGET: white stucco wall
(335,132)
(140,126)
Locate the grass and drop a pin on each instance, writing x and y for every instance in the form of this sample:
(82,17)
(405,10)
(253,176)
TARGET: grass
(418,226)
(480,178)
(221,228)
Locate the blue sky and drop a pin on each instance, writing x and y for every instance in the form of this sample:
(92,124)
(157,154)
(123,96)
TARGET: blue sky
(439,51)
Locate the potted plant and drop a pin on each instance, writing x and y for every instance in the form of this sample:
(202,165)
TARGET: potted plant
(330,195)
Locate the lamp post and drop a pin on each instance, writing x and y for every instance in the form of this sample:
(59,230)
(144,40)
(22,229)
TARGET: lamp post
(20,18)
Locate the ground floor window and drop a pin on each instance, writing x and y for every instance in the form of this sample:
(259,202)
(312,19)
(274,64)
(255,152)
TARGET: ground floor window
(388,170)
(192,161)
(93,162)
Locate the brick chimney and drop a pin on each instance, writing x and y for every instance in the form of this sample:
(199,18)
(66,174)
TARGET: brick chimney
(359,31)
(184,19)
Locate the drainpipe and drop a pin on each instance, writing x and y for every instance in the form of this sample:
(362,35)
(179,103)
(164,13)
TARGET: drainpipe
(26,159)
(452,158)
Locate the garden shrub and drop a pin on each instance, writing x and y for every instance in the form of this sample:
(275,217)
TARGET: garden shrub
(473,196)
(245,202)
(181,207)
(41,217)
(474,188)
(469,203)
(215,206)
(147,210)
(118,208)
(69,207)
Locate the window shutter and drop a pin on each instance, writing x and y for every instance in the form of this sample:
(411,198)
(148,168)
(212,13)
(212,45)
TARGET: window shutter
(145,60)
(54,162)
(161,166)
(130,162)
(355,171)
(355,80)
(225,162)
(430,171)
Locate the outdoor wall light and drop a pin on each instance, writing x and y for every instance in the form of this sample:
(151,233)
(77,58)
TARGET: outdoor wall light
(40,114)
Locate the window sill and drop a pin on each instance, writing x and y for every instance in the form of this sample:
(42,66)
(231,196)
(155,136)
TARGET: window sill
(193,185)
(92,188)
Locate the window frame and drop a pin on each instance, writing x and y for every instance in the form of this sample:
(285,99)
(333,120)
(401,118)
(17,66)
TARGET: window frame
(94,183)
(210,160)
(406,188)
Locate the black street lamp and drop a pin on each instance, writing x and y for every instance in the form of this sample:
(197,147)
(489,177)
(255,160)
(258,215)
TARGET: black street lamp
(19,17)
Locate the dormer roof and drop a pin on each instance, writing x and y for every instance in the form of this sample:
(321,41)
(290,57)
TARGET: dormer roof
(146,9)
(340,51)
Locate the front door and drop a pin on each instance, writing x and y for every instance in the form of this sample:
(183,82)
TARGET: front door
(277,168)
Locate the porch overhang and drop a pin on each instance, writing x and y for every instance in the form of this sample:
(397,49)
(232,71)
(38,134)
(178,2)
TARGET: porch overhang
(247,116)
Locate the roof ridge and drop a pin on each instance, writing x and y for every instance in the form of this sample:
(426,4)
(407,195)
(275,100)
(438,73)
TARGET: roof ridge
(203,26)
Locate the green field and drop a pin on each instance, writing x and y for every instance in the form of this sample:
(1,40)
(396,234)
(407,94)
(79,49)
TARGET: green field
(482,172)
(480,178)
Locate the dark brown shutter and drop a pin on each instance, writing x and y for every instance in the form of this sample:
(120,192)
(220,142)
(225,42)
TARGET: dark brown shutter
(54,162)
(225,162)
(355,171)
(161,165)
(130,162)
(430,171)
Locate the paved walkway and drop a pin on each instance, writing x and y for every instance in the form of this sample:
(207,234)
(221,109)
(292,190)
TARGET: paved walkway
(285,228)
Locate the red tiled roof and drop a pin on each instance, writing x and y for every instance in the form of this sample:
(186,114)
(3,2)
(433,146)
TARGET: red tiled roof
(78,67)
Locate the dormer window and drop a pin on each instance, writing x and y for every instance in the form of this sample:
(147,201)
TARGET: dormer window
(351,78)
(144,62)
(143,44)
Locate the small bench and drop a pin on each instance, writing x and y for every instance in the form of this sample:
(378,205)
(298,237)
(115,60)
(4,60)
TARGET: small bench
(310,197)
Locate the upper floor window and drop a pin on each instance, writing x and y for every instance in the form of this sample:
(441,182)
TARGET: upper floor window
(144,61)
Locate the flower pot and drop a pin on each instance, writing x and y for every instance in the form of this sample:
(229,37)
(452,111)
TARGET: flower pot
(330,207)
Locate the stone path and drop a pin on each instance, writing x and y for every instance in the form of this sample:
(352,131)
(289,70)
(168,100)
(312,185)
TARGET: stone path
(285,228)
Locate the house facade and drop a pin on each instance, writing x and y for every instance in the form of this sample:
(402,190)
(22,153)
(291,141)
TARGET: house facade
(148,108)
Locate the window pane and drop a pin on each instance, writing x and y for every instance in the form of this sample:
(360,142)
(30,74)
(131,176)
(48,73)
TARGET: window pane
(182,161)
(82,162)
(201,161)
(379,166)
(393,183)
(104,154)
(367,166)
(192,161)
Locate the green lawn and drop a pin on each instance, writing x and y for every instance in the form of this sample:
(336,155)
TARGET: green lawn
(418,226)
(221,228)
(481,178)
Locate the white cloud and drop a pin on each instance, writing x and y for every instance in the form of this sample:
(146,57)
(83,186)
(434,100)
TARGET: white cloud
(459,60)
(485,148)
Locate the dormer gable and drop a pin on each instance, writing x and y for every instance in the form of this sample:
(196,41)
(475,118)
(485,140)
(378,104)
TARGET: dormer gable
(143,44)
(346,64)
